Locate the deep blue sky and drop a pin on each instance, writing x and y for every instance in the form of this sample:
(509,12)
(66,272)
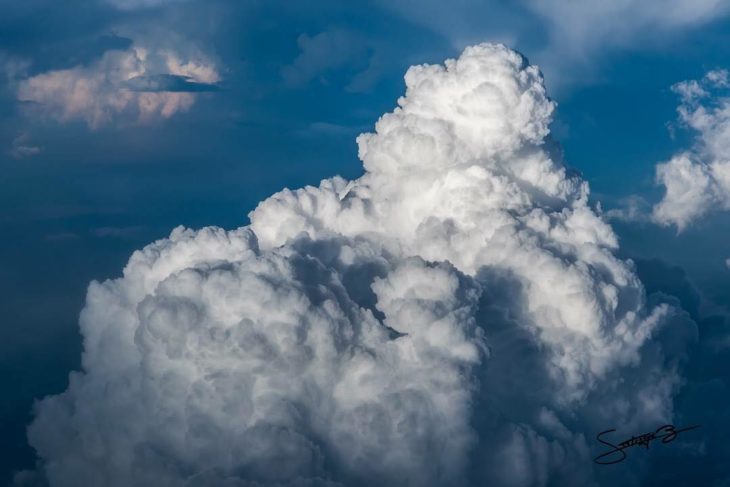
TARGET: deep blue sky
(79,205)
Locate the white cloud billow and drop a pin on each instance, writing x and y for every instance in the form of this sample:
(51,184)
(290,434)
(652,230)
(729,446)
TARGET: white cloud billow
(455,316)
(98,94)
(697,181)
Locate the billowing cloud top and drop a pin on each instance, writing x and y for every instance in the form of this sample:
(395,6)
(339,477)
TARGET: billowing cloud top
(697,181)
(454,316)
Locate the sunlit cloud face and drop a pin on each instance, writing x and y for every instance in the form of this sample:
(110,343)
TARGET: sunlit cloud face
(135,85)
(697,181)
(457,315)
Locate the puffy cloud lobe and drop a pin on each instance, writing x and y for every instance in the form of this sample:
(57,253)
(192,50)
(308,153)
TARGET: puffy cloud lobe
(260,365)
(454,316)
(135,84)
(698,181)
(468,100)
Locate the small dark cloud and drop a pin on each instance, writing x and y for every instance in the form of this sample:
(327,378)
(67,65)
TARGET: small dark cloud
(117,232)
(330,51)
(328,129)
(168,82)
(61,236)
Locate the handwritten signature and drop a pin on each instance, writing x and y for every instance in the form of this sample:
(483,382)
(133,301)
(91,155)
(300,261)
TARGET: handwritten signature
(666,433)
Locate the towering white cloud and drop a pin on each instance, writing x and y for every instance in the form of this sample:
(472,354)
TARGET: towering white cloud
(119,87)
(454,316)
(697,181)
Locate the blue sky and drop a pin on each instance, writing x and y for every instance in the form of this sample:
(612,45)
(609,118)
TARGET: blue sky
(265,95)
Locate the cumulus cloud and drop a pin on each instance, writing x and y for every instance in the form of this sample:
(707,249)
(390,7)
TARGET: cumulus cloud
(455,316)
(137,83)
(697,181)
